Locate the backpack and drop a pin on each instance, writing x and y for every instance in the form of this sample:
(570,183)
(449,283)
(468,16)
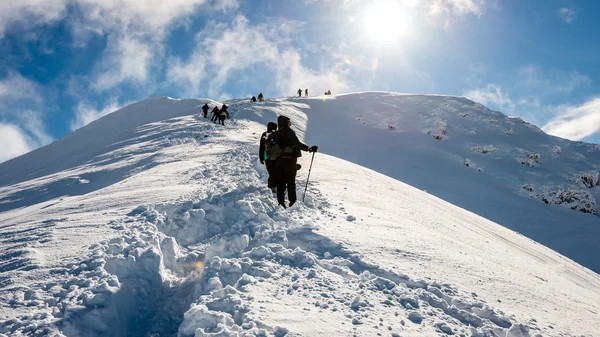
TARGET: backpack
(273,149)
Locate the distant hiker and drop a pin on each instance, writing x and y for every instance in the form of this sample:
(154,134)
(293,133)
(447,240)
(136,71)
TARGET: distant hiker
(205,109)
(260,97)
(264,157)
(328,92)
(253,99)
(224,114)
(286,163)
(216,113)
(306,92)
(299,92)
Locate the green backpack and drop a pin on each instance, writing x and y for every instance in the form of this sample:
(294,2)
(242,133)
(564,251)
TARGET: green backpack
(273,150)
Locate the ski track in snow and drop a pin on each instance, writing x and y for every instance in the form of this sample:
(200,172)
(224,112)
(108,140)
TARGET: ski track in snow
(224,261)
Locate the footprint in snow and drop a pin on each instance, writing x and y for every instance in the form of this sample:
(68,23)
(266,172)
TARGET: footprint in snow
(350,218)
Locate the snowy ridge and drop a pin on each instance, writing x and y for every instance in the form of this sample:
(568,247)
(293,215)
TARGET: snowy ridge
(499,167)
(192,244)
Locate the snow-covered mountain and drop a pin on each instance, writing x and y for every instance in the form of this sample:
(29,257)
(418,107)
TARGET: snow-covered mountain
(152,221)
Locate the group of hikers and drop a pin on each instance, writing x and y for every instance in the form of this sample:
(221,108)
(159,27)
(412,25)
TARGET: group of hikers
(261,98)
(279,150)
(305,92)
(219,115)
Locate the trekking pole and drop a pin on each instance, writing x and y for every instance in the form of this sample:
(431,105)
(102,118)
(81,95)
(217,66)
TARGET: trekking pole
(310,168)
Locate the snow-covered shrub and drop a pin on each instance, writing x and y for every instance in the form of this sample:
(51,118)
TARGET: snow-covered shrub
(463,114)
(484,149)
(509,132)
(439,130)
(527,187)
(557,150)
(472,132)
(588,179)
(532,158)
(576,199)
(493,121)
(579,200)
(468,163)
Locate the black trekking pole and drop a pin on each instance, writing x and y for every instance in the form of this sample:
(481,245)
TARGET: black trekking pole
(310,168)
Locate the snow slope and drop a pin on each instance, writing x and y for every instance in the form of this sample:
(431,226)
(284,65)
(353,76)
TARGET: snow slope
(154,222)
(501,168)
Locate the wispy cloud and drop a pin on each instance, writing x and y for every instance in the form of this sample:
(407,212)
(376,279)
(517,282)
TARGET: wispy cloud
(126,59)
(567,14)
(534,78)
(21,105)
(87,113)
(492,95)
(447,10)
(13,142)
(576,122)
(262,50)
(16,87)
(529,93)
(32,12)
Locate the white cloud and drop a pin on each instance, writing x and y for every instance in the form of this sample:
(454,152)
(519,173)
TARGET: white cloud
(13,142)
(30,12)
(20,103)
(531,94)
(225,5)
(445,10)
(135,28)
(126,59)
(87,113)
(576,122)
(493,96)
(460,7)
(264,49)
(16,87)
(567,14)
(551,82)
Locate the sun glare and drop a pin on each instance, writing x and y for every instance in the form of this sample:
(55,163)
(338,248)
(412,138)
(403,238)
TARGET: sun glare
(386,21)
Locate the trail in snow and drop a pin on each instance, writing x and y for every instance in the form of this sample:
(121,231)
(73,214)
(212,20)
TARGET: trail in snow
(210,252)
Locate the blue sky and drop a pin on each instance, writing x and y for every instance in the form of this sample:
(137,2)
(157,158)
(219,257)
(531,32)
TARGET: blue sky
(65,63)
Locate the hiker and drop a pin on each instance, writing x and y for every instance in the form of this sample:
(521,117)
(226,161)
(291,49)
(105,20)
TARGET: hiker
(224,114)
(264,158)
(287,161)
(215,116)
(205,109)
(306,92)
(260,97)
(299,92)
(253,99)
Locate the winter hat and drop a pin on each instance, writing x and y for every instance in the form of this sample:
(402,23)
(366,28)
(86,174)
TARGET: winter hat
(283,121)
(271,126)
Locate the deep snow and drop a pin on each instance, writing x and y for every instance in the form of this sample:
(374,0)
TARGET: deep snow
(153,221)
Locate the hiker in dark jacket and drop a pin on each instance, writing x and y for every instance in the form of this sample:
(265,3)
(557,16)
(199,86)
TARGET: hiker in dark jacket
(224,114)
(264,159)
(253,99)
(216,113)
(286,163)
(205,109)
(260,97)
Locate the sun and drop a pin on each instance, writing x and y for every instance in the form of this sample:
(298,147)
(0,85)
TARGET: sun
(387,21)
